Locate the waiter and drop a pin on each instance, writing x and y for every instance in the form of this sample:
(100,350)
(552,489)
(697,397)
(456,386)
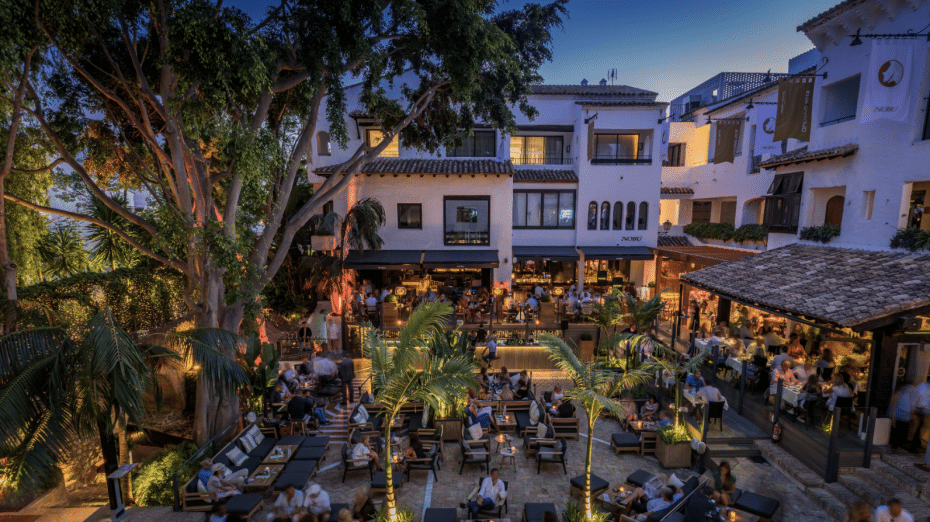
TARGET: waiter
(346,374)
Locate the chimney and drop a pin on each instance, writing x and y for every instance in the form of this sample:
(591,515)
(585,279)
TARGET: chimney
(603,81)
(584,81)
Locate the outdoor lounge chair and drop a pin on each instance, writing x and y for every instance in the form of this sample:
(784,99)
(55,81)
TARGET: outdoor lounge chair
(310,453)
(532,443)
(625,441)
(555,454)
(598,485)
(243,506)
(534,511)
(298,479)
(476,452)
(715,411)
(432,438)
(759,505)
(566,427)
(498,510)
(379,481)
(429,463)
(440,515)
(350,464)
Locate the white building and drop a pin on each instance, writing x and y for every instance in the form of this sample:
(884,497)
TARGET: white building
(534,206)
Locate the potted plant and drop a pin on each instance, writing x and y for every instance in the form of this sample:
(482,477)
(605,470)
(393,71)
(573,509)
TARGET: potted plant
(586,346)
(449,418)
(546,309)
(673,447)
(389,310)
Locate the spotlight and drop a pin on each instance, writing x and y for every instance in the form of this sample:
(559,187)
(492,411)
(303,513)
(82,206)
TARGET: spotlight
(750,106)
(856,40)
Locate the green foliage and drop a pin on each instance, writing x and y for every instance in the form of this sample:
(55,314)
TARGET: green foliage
(63,252)
(823,233)
(107,247)
(390,299)
(912,239)
(258,360)
(745,233)
(152,481)
(404,514)
(726,232)
(674,434)
(574,513)
(585,336)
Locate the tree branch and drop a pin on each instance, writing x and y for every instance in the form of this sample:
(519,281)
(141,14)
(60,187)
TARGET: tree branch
(54,164)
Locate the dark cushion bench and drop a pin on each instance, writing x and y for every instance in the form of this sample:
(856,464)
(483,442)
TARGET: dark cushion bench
(534,511)
(298,479)
(598,485)
(310,453)
(316,441)
(440,515)
(639,477)
(334,510)
(759,505)
(242,506)
(625,440)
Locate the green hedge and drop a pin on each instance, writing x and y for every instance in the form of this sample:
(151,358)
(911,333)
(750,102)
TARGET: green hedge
(152,481)
(823,233)
(911,239)
(726,232)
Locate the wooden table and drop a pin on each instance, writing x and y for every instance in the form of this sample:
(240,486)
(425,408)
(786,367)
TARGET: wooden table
(288,453)
(257,482)
(398,422)
(508,440)
(738,516)
(508,424)
(638,427)
(509,453)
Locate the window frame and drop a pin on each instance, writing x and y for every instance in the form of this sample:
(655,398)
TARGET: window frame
(829,93)
(641,158)
(522,160)
(542,206)
(617,219)
(320,142)
(642,218)
(399,213)
(592,215)
(445,200)
(630,216)
(474,133)
(676,151)
(784,197)
(605,215)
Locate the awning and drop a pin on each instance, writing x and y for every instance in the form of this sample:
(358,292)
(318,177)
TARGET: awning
(384,259)
(545,253)
(634,253)
(460,259)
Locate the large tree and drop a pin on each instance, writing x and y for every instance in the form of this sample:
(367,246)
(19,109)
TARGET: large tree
(214,114)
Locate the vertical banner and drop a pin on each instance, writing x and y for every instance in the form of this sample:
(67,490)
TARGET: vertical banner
(590,140)
(889,76)
(795,102)
(726,140)
(666,136)
(765,130)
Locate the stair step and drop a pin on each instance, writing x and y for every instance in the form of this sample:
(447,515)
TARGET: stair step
(842,494)
(897,477)
(905,464)
(732,450)
(828,502)
(891,490)
(866,491)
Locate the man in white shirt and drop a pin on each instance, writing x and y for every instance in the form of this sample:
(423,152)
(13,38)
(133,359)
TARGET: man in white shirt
(539,291)
(803,372)
(289,505)
(371,301)
(316,504)
(532,302)
(783,356)
(491,493)
(893,512)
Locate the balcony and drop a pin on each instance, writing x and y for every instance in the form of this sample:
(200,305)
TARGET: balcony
(539,159)
(621,159)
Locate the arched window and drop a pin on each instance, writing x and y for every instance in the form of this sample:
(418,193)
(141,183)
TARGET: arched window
(618,215)
(630,215)
(592,215)
(643,215)
(834,211)
(322,143)
(605,216)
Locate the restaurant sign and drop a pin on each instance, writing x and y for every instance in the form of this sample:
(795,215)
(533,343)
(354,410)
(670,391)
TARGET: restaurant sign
(795,104)
(886,87)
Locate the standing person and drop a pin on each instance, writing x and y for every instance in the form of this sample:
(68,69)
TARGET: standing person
(893,512)
(859,512)
(346,369)
(492,351)
(492,493)
(482,333)
(316,505)
(694,324)
(901,411)
(921,414)
(288,506)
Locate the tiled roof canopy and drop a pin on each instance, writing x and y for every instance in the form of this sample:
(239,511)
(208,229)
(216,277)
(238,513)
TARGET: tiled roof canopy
(669,241)
(676,190)
(829,13)
(591,90)
(803,155)
(623,103)
(545,176)
(429,166)
(838,286)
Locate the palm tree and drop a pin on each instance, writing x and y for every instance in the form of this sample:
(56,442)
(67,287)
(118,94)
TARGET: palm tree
(644,314)
(595,389)
(63,251)
(106,246)
(397,379)
(55,383)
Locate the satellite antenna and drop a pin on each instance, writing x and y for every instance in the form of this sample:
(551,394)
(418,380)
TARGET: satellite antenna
(612,75)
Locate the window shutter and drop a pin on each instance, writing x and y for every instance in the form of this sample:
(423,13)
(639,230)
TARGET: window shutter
(590,140)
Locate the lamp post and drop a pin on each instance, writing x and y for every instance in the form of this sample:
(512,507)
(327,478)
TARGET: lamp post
(667,226)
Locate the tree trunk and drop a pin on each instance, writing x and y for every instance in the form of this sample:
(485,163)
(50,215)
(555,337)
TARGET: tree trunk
(123,438)
(9,268)
(586,494)
(388,465)
(110,458)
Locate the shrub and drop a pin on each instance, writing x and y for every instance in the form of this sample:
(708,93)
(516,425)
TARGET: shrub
(404,514)
(751,233)
(545,298)
(574,513)
(674,434)
(721,231)
(824,233)
(911,238)
(152,481)
(586,336)
(391,298)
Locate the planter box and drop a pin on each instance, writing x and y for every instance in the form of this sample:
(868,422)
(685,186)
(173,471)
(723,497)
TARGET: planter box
(673,455)
(547,313)
(587,349)
(451,429)
(389,312)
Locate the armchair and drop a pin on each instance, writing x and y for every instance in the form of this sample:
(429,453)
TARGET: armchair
(476,452)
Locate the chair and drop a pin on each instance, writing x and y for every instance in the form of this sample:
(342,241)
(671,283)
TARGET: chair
(476,452)
(351,464)
(715,411)
(534,511)
(647,443)
(625,441)
(532,443)
(759,505)
(825,373)
(429,463)
(556,455)
(498,511)
(432,438)
(845,405)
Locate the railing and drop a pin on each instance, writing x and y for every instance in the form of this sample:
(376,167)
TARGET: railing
(838,120)
(620,159)
(201,453)
(540,159)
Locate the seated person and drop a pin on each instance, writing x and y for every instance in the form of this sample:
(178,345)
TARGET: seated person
(557,392)
(503,377)
(695,381)
(288,507)
(650,409)
(484,393)
(206,471)
(316,505)
(478,415)
(305,368)
(628,407)
(414,451)
(299,407)
(522,391)
(839,388)
(289,376)
(724,484)
(483,377)
(662,420)
(219,514)
(783,356)
(325,370)
(564,410)
(217,485)
(667,498)
(554,407)
(364,508)
(701,507)
(784,373)
(491,493)
(284,389)
(638,500)
(522,376)
(506,394)
(362,451)
(805,371)
(795,348)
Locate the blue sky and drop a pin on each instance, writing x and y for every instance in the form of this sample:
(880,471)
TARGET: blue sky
(667,46)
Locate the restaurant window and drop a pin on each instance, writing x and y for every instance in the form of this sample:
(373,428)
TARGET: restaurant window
(327,207)
(479,145)
(630,215)
(543,209)
(592,215)
(840,101)
(643,215)
(738,145)
(618,215)
(676,155)
(783,203)
(409,215)
(605,216)
(323,146)
(915,213)
(618,149)
(373,138)
(536,150)
(467,220)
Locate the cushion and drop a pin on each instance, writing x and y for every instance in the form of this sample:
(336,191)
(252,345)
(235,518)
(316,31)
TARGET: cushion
(264,448)
(425,422)
(256,434)
(675,481)
(201,487)
(534,511)
(242,505)
(298,479)
(363,411)
(441,515)
(310,453)
(236,456)
(248,444)
(334,510)
(302,466)
(625,440)
(366,398)
(475,431)
(597,483)
(359,418)
(541,430)
(523,419)
(293,440)
(639,478)
(534,413)
(317,441)
(757,504)
(380,480)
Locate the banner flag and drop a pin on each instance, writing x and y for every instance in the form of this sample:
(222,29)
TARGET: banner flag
(886,96)
(795,102)
(726,141)
(765,130)
(666,136)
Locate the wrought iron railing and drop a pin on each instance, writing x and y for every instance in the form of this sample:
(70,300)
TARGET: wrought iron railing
(621,159)
(540,159)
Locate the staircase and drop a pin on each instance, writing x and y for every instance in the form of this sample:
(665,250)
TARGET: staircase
(339,415)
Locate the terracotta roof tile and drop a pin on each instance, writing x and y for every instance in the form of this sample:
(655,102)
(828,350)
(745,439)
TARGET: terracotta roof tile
(829,13)
(545,176)
(840,286)
(676,190)
(591,90)
(670,241)
(803,155)
(429,166)
(623,103)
